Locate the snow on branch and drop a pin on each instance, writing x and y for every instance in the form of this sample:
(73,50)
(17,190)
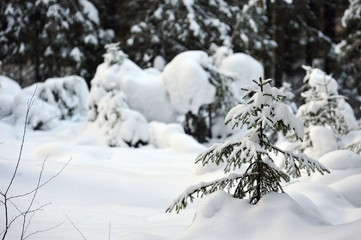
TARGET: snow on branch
(203,188)
(264,111)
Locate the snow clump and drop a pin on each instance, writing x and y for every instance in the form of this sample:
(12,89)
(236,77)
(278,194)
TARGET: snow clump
(55,99)
(187,82)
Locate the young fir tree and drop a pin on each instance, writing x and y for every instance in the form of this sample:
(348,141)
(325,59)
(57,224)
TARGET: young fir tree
(322,106)
(263,110)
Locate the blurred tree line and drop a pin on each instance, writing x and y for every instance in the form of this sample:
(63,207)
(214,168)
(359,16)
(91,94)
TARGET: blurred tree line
(63,37)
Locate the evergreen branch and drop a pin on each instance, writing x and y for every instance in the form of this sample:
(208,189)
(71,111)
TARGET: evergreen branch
(202,189)
(294,162)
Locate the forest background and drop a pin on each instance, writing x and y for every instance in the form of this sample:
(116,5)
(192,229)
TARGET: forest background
(42,39)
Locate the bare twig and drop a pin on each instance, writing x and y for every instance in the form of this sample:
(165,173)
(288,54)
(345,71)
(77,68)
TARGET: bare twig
(44,230)
(44,183)
(110,228)
(76,228)
(7,200)
(5,194)
(24,227)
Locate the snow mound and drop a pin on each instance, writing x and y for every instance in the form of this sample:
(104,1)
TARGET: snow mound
(8,90)
(323,140)
(55,99)
(43,115)
(187,82)
(68,94)
(211,205)
(331,204)
(173,136)
(349,188)
(143,90)
(244,67)
(142,236)
(241,220)
(341,160)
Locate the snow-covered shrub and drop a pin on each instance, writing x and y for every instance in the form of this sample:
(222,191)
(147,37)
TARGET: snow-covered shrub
(8,90)
(190,86)
(187,82)
(123,126)
(43,115)
(123,98)
(143,90)
(68,94)
(205,92)
(55,99)
(324,106)
(263,110)
(190,91)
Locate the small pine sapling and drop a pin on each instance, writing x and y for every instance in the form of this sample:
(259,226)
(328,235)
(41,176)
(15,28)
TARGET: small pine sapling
(263,111)
(114,55)
(321,106)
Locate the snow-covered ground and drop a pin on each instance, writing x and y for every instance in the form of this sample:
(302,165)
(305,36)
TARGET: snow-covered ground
(122,193)
(125,187)
(127,190)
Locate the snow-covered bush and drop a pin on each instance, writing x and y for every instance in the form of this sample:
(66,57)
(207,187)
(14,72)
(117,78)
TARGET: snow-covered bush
(55,99)
(263,110)
(190,86)
(324,107)
(205,88)
(43,115)
(123,126)
(123,98)
(8,90)
(68,94)
(143,90)
(187,82)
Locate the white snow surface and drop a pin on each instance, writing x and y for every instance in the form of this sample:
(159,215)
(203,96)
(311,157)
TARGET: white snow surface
(8,90)
(323,140)
(127,190)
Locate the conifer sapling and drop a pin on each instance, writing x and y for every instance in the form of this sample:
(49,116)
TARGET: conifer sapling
(263,111)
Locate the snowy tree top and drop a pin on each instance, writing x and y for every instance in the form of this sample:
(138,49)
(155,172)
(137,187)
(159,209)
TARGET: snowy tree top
(320,81)
(114,54)
(263,96)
